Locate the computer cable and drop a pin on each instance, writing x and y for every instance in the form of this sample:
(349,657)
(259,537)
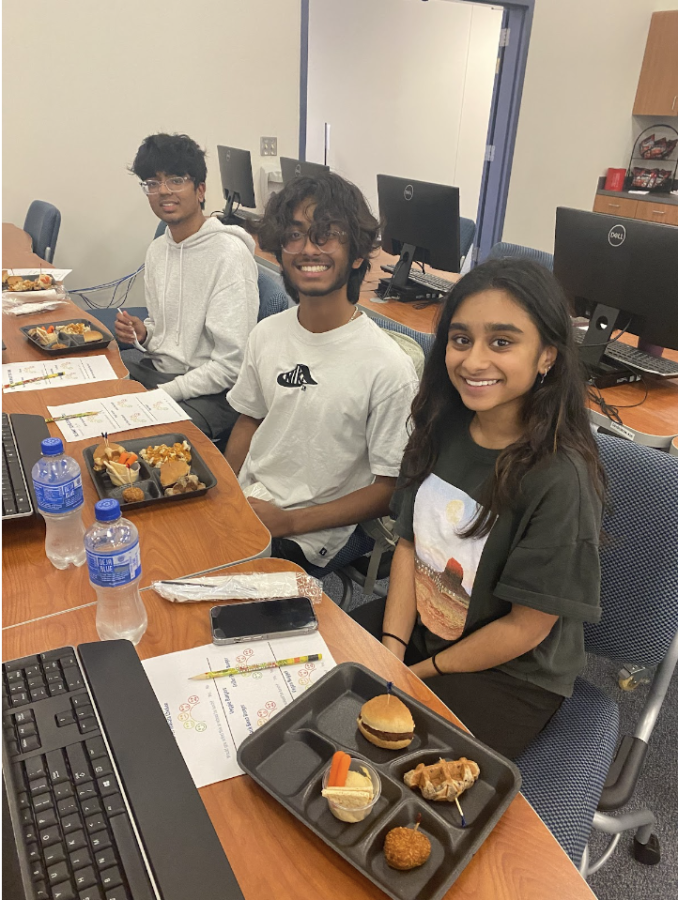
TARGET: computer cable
(125,283)
(611,410)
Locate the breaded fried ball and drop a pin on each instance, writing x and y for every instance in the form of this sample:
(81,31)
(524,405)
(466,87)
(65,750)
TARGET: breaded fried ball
(405,848)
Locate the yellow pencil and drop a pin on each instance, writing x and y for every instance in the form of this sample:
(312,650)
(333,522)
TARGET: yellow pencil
(241,670)
(94,412)
(31,380)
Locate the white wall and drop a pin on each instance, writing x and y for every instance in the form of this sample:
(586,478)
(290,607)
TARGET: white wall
(576,111)
(406,87)
(98,77)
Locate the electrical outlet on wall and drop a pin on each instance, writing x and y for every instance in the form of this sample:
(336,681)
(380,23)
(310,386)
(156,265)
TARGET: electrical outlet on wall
(269,146)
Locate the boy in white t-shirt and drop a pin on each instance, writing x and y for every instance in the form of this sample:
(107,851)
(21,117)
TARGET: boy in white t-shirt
(324,394)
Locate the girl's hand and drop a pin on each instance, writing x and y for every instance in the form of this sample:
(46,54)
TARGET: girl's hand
(395,647)
(423,669)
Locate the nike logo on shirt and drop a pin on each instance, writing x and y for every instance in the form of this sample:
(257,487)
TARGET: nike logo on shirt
(298,377)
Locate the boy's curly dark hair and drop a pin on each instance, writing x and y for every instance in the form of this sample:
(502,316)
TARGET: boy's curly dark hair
(174,154)
(336,202)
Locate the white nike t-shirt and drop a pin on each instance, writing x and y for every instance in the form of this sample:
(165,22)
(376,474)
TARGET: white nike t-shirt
(334,409)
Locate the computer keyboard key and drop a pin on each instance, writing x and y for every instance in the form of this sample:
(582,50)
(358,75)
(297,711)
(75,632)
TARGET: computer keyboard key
(86,790)
(114,804)
(65,718)
(58,873)
(35,767)
(67,807)
(50,836)
(54,854)
(84,712)
(90,807)
(15,664)
(19,699)
(61,791)
(33,852)
(111,878)
(100,840)
(63,891)
(95,747)
(51,666)
(107,785)
(56,766)
(54,677)
(132,862)
(46,818)
(85,878)
(57,688)
(42,801)
(37,871)
(26,730)
(92,893)
(50,656)
(31,833)
(26,817)
(102,766)
(87,725)
(118,893)
(36,681)
(72,677)
(95,823)
(29,743)
(80,700)
(38,785)
(105,858)
(39,693)
(16,686)
(78,763)
(17,675)
(40,891)
(30,671)
(80,859)
(71,823)
(75,841)
(22,800)
(8,506)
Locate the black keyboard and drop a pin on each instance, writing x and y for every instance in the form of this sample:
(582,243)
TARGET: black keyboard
(432,283)
(102,806)
(16,500)
(639,359)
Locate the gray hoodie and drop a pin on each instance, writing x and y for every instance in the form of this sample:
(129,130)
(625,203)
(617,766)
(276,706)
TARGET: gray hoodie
(203,301)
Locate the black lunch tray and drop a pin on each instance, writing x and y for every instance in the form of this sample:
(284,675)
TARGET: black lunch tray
(71,340)
(288,755)
(149,476)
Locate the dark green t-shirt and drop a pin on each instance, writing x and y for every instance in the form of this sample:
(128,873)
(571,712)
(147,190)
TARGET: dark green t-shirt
(541,553)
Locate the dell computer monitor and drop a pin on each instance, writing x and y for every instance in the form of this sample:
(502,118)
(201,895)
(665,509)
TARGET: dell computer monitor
(620,274)
(236,179)
(291,168)
(421,222)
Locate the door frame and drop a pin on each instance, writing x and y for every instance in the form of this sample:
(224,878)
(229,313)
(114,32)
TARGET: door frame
(503,120)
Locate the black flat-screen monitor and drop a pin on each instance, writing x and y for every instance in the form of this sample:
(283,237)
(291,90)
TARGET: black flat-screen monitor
(236,179)
(291,168)
(620,274)
(421,223)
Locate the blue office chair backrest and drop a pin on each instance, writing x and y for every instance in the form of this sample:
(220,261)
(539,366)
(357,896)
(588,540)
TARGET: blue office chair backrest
(467,231)
(42,223)
(639,555)
(502,249)
(424,340)
(272,297)
(160,230)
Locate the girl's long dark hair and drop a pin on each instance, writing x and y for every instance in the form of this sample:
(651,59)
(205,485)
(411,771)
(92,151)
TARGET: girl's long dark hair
(554,412)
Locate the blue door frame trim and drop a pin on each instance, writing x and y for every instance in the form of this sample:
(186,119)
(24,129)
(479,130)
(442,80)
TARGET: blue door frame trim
(503,122)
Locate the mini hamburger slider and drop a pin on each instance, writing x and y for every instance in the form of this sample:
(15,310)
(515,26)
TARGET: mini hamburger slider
(386,721)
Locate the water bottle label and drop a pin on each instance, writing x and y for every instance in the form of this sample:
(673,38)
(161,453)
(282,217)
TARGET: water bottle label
(114,569)
(59,498)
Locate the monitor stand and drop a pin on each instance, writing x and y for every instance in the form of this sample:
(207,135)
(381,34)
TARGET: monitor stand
(397,286)
(603,372)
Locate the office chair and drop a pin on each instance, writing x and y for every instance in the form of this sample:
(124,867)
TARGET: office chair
(571,773)
(467,231)
(375,565)
(502,249)
(42,223)
(272,296)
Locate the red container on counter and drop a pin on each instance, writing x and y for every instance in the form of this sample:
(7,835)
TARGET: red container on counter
(615,179)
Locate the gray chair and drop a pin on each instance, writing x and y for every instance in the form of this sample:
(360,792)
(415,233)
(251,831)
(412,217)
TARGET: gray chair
(467,231)
(42,222)
(574,774)
(272,296)
(503,249)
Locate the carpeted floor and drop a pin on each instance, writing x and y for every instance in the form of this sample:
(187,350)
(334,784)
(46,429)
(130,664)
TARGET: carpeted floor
(623,877)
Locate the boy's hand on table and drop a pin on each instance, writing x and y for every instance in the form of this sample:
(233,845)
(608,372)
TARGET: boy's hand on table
(278,521)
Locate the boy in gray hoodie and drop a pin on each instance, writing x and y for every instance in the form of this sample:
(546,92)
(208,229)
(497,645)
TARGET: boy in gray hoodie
(201,289)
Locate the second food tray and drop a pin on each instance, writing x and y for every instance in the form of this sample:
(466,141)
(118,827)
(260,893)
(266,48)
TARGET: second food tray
(288,755)
(149,476)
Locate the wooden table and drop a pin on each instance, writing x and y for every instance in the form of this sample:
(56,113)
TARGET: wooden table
(17,249)
(272,854)
(177,539)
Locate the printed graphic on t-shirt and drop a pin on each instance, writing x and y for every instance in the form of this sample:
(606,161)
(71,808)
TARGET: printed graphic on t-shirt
(445,564)
(300,376)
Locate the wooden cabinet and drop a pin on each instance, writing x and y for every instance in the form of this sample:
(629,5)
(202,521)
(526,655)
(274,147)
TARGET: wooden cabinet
(657,212)
(615,206)
(657,93)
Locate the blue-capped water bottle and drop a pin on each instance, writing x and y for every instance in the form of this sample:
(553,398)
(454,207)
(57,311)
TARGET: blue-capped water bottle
(114,562)
(58,490)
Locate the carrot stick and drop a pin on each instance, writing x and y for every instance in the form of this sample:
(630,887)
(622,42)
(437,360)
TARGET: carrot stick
(342,771)
(333,781)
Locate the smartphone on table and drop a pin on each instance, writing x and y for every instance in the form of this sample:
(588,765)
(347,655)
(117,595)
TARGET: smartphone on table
(262,619)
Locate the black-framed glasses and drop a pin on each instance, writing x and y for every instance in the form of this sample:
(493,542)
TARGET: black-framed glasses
(174,185)
(326,239)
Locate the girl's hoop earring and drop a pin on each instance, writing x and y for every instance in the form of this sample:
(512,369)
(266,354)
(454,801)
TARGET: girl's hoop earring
(543,376)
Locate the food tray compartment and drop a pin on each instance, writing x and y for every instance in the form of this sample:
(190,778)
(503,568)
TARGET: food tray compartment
(73,345)
(322,721)
(149,476)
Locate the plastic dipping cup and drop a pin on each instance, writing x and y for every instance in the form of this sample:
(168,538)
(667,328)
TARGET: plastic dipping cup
(354,814)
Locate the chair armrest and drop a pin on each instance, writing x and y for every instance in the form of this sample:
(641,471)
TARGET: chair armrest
(384,539)
(624,773)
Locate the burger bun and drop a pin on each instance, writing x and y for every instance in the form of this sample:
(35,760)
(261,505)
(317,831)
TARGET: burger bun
(386,722)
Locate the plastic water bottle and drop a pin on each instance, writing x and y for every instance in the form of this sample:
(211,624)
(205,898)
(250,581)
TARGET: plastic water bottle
(114,562)
(58,490)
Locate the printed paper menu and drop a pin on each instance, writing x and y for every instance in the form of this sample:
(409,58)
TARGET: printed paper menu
(113,414)
(210,719)
(79,370)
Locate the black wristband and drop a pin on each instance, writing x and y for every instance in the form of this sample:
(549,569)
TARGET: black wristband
(394,636)
(435,664)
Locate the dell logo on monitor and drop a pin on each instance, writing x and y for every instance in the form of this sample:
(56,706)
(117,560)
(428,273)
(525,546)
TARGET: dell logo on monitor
(408,193)
(228,154)
(297,169)
(617,235)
